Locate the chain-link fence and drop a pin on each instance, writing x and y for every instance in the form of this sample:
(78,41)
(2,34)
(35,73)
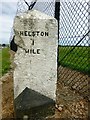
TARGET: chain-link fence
(45,6)
(74,35)
(74,38)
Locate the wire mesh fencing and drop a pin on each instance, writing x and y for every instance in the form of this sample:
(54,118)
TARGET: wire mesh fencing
(74,42)
(74,39)
(75,34)
(46,6)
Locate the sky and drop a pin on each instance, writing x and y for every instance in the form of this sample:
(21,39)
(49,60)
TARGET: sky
(8,10)
(7,14)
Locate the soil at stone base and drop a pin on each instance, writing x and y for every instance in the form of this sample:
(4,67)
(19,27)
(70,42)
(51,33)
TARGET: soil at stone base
(69,104)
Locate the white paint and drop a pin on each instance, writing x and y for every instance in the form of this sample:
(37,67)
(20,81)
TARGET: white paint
(36,71)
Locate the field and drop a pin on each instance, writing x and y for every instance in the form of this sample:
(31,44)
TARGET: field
(4,61)
(77,59)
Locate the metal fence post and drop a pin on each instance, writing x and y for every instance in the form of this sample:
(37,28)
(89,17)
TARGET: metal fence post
(57,13)
(57,16)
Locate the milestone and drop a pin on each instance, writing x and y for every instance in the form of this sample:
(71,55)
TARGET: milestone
(33,33)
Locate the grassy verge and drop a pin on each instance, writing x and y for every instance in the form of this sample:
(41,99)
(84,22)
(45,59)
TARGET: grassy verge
(78,59)
(4,61)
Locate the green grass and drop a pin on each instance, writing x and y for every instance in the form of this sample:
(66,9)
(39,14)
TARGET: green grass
(78,59)
(4,61)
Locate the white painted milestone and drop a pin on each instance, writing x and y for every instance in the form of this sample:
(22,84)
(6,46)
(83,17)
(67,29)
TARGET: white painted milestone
(36,57)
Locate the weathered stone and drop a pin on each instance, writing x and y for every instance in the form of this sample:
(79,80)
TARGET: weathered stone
(60,109)
(36,56)
(33,104)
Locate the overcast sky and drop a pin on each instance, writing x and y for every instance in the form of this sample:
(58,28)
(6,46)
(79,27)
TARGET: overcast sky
(7,14)
(8,10)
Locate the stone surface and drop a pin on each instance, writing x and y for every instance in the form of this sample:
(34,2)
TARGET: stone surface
(32,99)
(36,56)
(35,62)
(34,105)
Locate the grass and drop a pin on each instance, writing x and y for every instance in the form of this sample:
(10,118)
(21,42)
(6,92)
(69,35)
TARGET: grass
(78,59)
(4,61)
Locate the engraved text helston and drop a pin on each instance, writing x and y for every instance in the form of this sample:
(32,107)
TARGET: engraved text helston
(33,33)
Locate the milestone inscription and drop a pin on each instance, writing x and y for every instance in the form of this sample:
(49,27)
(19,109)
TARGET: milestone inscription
(33,33)
(36,56)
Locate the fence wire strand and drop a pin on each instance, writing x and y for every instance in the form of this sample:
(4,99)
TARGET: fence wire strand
(74,41)
(43,6)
